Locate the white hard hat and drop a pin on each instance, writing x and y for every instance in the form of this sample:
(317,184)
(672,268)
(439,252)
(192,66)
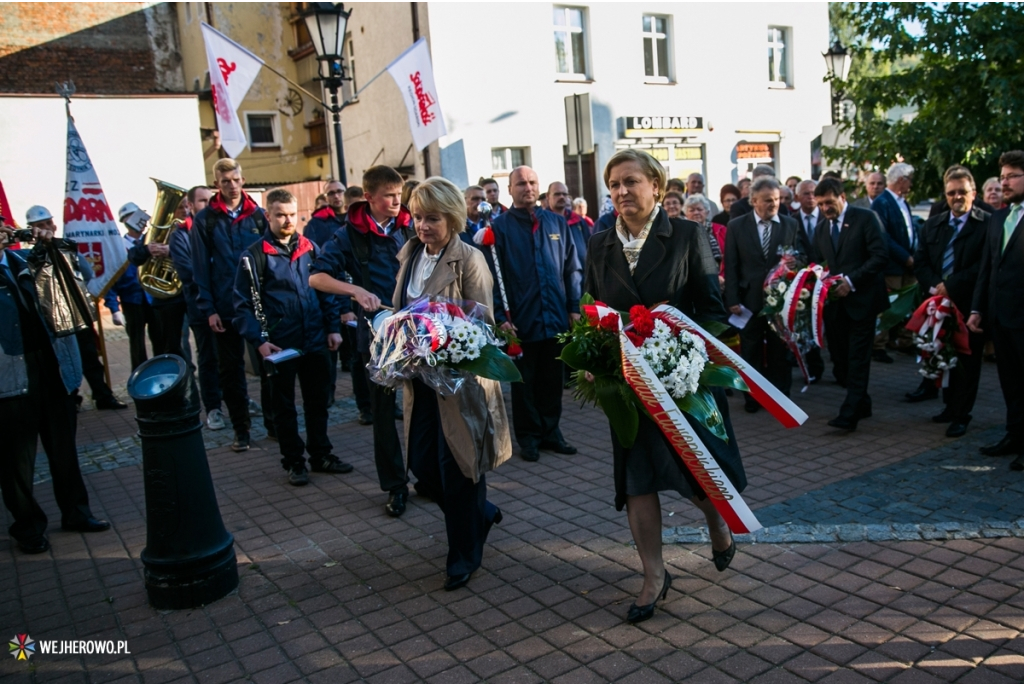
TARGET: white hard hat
(126,210)
(37,213)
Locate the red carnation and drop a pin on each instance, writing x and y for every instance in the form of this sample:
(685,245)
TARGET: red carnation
(634,338)
(609,322)
(514,350)
(643,322)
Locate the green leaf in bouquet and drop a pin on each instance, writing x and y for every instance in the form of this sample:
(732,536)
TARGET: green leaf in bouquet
(715,328)
(493,364)
(622,414)
(719,376)
(587,299)
(573,355)
(701,405)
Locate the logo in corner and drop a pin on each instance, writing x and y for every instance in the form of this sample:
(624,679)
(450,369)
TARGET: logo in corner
(23,647)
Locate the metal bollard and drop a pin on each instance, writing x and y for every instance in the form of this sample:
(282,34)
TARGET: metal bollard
(189,555)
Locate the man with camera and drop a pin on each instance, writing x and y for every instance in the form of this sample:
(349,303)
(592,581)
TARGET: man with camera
(37,374)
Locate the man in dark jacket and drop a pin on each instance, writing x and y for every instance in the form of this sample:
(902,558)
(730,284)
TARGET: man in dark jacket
(852,242)
(535,246)
(275,310)
(361,263)
(947,263)
(997,303)
(560,202)
(220,233)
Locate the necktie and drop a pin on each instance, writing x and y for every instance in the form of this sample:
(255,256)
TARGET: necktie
(947,256)
(1010,224)
(810,226)
(766,237)
(835,234)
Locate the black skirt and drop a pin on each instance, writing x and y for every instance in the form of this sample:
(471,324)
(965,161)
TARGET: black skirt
(651,465)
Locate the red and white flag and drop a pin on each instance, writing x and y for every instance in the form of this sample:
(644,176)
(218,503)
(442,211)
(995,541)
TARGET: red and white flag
(415,78)
(88,219)
(232,71)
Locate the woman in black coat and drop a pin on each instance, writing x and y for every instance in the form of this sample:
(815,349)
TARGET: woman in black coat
(650,259)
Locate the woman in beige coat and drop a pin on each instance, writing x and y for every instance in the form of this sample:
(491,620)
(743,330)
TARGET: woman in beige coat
(452,441)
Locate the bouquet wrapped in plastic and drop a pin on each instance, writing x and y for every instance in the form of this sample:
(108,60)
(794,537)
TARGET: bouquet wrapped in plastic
(440,342)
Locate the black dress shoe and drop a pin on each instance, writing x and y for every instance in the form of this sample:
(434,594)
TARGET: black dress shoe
(529,453)
(922,394)
(1002,448)
(365,418)
(86,525)
(35,545)
(558,447)
(455,582)
(110,403)
(1015,465)
(638,614)
(844,423)
(330,464)
(957,429)
(943,417)
(881,356)
(396,504)
(241,442)
(723,559)
(298,476)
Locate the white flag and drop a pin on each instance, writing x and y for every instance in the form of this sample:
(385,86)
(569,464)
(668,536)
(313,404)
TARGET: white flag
(232,71)
(415,78)
(88,219)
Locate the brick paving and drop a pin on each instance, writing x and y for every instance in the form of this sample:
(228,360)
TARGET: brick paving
(333,590)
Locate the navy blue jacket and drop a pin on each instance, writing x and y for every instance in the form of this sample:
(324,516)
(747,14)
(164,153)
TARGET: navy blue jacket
(322,226)
(180,244)
(217,244)
(126,288)
(580,231)
(339,260)
(297,315)
(900,249)
(605,222)
(541,270)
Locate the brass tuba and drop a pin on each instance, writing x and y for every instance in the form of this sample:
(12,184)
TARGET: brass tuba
(158,276)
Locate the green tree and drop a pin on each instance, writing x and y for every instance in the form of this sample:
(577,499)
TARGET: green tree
(959,65)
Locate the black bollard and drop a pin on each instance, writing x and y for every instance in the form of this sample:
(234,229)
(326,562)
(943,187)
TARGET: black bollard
(189,555)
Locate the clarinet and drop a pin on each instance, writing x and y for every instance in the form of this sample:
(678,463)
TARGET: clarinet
(257,303)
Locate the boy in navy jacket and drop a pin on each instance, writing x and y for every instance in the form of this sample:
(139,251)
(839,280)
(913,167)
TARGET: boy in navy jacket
(275,309)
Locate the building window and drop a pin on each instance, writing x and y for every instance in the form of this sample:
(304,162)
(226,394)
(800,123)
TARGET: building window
(349,88)
(188,12)
(262,129)
(570,42)
(778,57)
(505,159)
(656,49)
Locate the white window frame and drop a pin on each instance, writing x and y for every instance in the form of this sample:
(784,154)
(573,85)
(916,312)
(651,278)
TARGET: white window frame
(654,36)
(782,62)
(568,30)
(507,154)
(275,119)
(351,87)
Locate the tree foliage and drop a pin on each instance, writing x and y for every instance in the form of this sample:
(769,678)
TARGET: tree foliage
(960,65)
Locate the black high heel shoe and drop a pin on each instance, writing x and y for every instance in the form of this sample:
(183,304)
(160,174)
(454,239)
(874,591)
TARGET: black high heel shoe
(723,559)
(637,614)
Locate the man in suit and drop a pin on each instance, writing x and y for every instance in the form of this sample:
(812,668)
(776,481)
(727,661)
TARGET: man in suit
(898,223)
(851,241)
(946,263)
(743,206)
(874,185)
(942,204)
(752,244)
(997,298)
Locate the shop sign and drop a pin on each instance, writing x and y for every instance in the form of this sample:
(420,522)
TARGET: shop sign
(753,151)
(647,126)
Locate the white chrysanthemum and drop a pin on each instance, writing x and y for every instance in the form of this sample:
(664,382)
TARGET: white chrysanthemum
(781,287)
(771,300)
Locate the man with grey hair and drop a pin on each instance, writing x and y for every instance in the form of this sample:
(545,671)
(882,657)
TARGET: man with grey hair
(901,236)
(874,185)
(752,245)
(743,205)
(695,186)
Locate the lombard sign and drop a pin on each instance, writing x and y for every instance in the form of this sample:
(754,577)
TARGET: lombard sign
(648,126)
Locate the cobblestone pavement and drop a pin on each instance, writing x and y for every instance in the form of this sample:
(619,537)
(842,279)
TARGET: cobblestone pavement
(332,590)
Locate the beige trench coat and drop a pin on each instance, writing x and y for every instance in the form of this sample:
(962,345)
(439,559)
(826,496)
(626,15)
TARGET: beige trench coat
(474,421)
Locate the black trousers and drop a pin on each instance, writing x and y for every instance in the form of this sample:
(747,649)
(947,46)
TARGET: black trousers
(360,379)
(537,401)
(171,318)
(467,513)
(850,344)
(231,366)
(387,450)
(815,364)
(311,371)
(209,381)
(92,367)
(762,349)
(962,391)
(47,414)
(1009,344)
(138,319)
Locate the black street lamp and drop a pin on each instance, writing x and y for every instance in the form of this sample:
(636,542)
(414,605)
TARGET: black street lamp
(837,59)
(326,22)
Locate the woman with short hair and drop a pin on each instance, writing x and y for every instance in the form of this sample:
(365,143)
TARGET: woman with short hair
(992,193)
(726,196)
(673,204)
(696,209)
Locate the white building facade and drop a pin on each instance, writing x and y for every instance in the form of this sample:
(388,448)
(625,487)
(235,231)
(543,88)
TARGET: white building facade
(710,87)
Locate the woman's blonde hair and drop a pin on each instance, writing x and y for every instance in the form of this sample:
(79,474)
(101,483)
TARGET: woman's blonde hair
(651,167)
(441,196)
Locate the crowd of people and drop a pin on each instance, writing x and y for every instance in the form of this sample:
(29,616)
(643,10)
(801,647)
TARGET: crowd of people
(251,279)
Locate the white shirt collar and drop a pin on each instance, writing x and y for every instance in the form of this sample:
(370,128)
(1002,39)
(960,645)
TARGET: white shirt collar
(898,198)
(814,215)
(774,219)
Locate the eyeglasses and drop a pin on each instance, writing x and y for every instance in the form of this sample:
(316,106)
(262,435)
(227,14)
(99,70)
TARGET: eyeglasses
(1009,177)
(958,193)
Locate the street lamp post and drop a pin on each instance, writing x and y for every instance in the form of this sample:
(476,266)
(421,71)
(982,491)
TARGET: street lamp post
(837,59)
(326,22)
